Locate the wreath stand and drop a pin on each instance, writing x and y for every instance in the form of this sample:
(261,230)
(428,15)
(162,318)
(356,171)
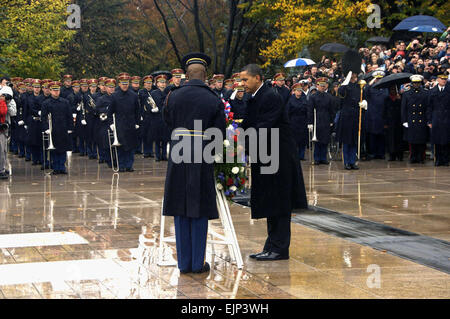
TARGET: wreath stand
(228,238)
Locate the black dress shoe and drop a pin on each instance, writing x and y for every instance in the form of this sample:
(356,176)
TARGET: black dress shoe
(129,169)
(347,167)
(56,172)
(151,155)
(146,156)
(185,271)
(254,256)
(354,166)
(158,160)
(204,269)
(101,161)
(27,159)
(121,169)
(324,162)
(271,256)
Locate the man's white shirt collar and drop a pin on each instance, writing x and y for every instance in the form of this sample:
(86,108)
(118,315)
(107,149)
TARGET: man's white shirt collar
(253,95)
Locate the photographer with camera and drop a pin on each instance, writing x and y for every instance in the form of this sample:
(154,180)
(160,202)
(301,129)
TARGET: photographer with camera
(7,109)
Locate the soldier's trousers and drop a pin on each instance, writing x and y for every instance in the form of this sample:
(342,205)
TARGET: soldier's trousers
(148,148)
(349,153)
(21,149)
(191,235)
(376,145)
(442,154)
(126,158)
(417,153)
(278,234)
(320,152)
(58,160)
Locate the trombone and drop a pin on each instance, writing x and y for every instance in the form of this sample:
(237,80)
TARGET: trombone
(313,139)
(48,138)
(114,153)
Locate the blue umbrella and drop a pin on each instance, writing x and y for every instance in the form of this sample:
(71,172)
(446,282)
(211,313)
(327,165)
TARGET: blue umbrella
(419,20)
(426,28)
(298,62)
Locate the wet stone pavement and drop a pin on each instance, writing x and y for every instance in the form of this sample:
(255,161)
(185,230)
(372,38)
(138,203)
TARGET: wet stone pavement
(93,234)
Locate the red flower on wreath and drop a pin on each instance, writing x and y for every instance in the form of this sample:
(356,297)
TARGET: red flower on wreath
(229,181)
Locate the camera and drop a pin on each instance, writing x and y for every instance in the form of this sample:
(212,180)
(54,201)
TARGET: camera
(7,96)
(4,127)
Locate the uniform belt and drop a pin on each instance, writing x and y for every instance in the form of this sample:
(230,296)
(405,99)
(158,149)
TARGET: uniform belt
(36,118)
(190,133)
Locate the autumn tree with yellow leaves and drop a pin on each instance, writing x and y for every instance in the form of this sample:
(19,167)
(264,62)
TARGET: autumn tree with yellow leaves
(35,31)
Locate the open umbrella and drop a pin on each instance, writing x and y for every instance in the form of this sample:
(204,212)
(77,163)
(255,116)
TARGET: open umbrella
(298,62)
(426,28)
(166,73)
(378,40)
(419,20)
(396,78)
(334,47)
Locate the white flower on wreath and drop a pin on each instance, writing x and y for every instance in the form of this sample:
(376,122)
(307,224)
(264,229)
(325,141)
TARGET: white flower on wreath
(242,169)
(226,143)
(235,170)
(233,188)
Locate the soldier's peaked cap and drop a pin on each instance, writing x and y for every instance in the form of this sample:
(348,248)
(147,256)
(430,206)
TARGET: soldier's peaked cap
(196,58)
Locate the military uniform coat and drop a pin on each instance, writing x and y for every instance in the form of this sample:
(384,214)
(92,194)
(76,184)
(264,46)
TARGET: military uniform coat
(145,109)
(190,187)
(414,108)
(90,102)
(284,92)
(21,133)
(274,195)
(438,114)
(238,107)
(348,124)
(376,99)
(60,109)
(101,135)
(34,123)
(125,106)
(298,118)
(393,120)
(325,108)
(158,129)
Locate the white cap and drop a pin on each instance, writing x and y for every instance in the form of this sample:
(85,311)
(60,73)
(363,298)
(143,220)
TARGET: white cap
(416,78)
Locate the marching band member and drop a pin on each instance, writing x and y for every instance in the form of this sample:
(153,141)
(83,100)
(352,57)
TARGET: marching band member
(89,102)
(125,107)
(81,123)
(323,103)
(66,90)
(280,86)
(74,100)
(297,108)
(34,123)
(158,129)
(146,101)
(62,124)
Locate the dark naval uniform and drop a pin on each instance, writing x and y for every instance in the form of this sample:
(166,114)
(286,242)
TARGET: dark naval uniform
(438,114)
(414,108)
(324,105)
(298,120)
(374,122)
(348,124)
(125,106)
(189,193)
(61,114)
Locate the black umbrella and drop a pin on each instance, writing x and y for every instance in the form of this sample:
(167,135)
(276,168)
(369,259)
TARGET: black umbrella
(378,40)
(334,47)
(396,78)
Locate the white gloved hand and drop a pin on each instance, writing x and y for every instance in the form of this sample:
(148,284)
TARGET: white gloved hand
(39,113)
(83,122)
(111,127)
(69,132)
(363,104)
(310,127)
(26,127)
(405,124)
(347,79)
(47,132)
(142,118)
(136,126)
(74,116)
(79,108)
(20,123)
(155,110)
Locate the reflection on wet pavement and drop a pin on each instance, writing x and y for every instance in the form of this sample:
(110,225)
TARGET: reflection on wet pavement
(112,224)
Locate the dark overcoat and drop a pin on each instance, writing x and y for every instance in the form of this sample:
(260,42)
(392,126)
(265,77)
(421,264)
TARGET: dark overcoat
(190,187)
(61,112)
(298,118)
(348,124)
(376,99)
(101,136)
(438,114)
(325,108)
(34,104)
(125,106)
(393,121)
(275,194)
(414,108)
(238,107)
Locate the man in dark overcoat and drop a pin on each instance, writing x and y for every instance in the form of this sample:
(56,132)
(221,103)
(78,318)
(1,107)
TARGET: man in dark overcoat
(273,195)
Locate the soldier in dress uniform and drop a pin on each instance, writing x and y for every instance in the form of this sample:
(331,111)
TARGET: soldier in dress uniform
(280,86)
(218,83)
(414,118)
(238,103)
(89,102)
(228,84)
(74,99)
(81,123)
(192,207)
(125,107)
(61,117)
(236,77)
(101,85)
(146,103)
(135,87)
(177,74)
(101,131)
(323,103)
(297,108)
(348,125)
(159,131)
(135,83)
(67,88)
(438,118)
(21,118)
(34,123)
(374,122)
(42,98)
